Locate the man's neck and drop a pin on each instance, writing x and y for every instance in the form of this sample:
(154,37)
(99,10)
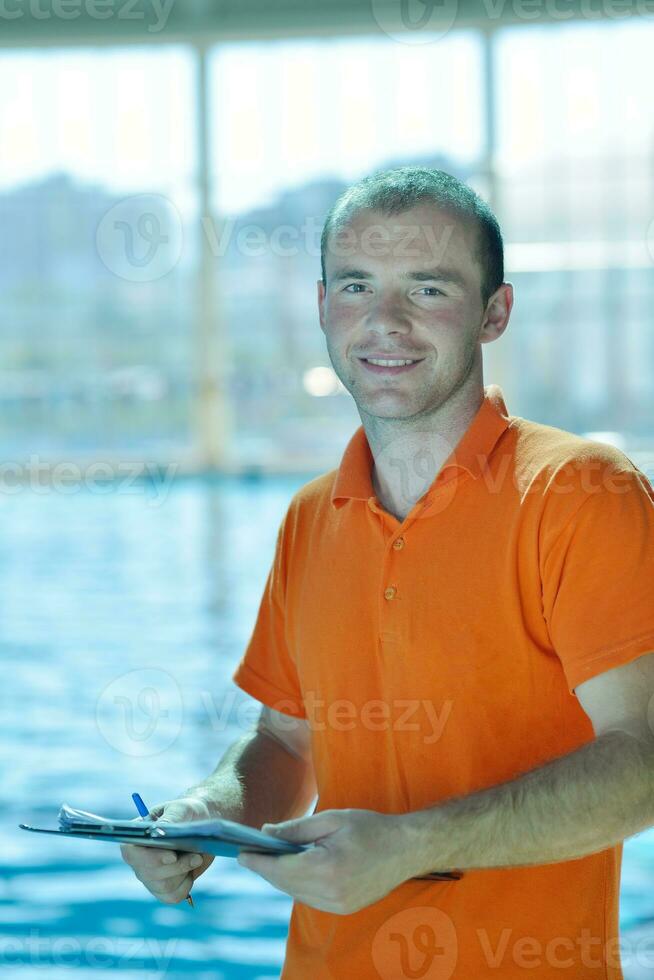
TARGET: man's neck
(409,453)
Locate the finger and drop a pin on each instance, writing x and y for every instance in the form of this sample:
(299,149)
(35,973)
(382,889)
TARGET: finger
(163,885)
(183,864)
(140,856)
(274,869)
(206,860)
(304,830)
(146,858)
(269,872)
(177,892)
(302,876)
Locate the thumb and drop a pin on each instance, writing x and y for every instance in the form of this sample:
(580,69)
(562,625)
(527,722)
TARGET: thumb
(156,811)
(304,830)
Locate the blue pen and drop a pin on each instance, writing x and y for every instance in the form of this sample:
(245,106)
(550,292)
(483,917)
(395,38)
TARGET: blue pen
(144,812)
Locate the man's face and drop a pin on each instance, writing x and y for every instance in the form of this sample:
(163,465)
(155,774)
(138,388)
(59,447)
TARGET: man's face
(404,286)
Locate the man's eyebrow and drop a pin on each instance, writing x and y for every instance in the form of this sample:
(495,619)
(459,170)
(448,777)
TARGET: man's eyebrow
(438,274)
(341,274)
(441,275)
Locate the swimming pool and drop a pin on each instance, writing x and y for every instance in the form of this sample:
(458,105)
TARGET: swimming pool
(153,589)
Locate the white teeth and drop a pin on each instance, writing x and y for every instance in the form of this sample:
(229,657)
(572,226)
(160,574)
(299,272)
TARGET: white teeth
(374,360)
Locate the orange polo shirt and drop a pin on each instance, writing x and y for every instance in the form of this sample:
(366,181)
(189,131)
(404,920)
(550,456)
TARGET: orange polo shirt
(437,656)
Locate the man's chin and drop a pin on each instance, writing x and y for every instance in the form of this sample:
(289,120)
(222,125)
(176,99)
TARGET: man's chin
(399,410)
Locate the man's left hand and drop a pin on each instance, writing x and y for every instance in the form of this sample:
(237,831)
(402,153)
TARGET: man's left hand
(359,856)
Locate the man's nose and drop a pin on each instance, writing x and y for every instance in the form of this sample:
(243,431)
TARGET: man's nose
(388,315)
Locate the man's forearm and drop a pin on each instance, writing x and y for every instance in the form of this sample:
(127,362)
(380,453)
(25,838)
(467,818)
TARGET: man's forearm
(257,780)
(575,805)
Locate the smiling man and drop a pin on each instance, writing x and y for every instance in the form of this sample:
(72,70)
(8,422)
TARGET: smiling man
(404,311)
(454,644)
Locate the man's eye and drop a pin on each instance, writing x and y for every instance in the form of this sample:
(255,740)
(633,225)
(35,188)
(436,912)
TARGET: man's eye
(354,284)
(435,289)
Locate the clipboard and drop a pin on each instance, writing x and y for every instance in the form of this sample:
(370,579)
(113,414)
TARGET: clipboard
(222,838)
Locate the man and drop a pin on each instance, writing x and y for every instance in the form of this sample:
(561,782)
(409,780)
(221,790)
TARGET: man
(454,648)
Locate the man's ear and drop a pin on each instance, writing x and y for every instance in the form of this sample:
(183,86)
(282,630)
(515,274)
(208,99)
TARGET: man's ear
(497,313)
(321,304)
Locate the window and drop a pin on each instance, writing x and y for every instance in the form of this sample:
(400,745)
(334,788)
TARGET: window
(95,344)
(574,182)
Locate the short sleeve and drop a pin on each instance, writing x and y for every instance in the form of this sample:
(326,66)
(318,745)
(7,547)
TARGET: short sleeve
(267,670)
(597,575)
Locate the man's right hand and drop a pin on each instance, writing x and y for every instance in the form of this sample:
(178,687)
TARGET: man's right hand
(169,874)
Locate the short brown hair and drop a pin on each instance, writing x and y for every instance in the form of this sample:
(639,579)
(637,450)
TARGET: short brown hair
(397,190)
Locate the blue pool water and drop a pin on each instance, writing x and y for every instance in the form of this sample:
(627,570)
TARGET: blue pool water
(124,610)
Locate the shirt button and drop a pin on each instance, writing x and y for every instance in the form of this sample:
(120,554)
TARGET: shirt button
(398,543)
(389,593)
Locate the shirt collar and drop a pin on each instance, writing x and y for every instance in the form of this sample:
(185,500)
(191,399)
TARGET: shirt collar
(354,479)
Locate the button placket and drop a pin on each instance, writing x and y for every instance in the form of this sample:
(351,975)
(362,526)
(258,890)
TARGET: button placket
(390,626)
(391,590)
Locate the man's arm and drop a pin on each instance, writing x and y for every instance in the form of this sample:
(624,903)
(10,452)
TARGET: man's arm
(575,805)
(265,776)
(578,804)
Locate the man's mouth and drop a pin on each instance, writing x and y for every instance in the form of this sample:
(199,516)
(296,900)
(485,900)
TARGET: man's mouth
(389,365)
